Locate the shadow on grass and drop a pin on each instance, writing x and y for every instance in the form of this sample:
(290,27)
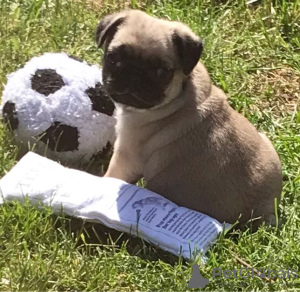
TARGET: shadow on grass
(98,235)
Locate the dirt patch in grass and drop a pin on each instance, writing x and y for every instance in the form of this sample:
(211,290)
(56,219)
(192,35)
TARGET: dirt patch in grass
(279,90)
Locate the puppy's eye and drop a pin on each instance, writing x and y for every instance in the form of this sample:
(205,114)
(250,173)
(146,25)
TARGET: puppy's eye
(161,72)
(165,73)
(113,57)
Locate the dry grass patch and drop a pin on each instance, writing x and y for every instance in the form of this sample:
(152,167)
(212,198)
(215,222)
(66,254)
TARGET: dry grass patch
(279,90)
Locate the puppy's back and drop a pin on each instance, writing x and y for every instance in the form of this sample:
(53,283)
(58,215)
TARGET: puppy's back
(219,164)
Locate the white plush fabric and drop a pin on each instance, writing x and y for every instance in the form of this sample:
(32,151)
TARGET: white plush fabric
(69,105)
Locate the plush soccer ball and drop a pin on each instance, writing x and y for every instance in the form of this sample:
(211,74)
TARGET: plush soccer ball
(56,105)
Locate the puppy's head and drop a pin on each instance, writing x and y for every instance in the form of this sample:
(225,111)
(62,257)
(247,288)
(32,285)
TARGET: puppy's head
(145,59)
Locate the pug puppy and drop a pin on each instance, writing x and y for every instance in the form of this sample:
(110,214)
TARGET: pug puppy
(176,129)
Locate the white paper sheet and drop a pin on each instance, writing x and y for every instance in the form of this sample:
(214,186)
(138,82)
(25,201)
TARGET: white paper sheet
(113,202)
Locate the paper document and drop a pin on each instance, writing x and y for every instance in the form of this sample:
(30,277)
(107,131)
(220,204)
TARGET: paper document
(113,202)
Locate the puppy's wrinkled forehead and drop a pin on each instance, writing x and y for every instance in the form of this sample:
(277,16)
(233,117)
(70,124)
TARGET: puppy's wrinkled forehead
(145,36)
(149,37)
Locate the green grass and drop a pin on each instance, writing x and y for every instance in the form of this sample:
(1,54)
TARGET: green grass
(252,52)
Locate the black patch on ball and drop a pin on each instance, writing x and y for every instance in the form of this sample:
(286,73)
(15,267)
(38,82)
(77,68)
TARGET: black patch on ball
(61,138)
(10,115)
(46,81)
(100,100)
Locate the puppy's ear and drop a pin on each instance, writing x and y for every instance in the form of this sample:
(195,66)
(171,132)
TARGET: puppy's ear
(107,28)
(189,48)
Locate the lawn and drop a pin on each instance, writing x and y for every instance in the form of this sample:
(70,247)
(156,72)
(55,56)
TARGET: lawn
(252,51)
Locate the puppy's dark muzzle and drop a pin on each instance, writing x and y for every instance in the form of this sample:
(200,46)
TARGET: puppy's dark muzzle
(132,100)
(131,85)
(128,94)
